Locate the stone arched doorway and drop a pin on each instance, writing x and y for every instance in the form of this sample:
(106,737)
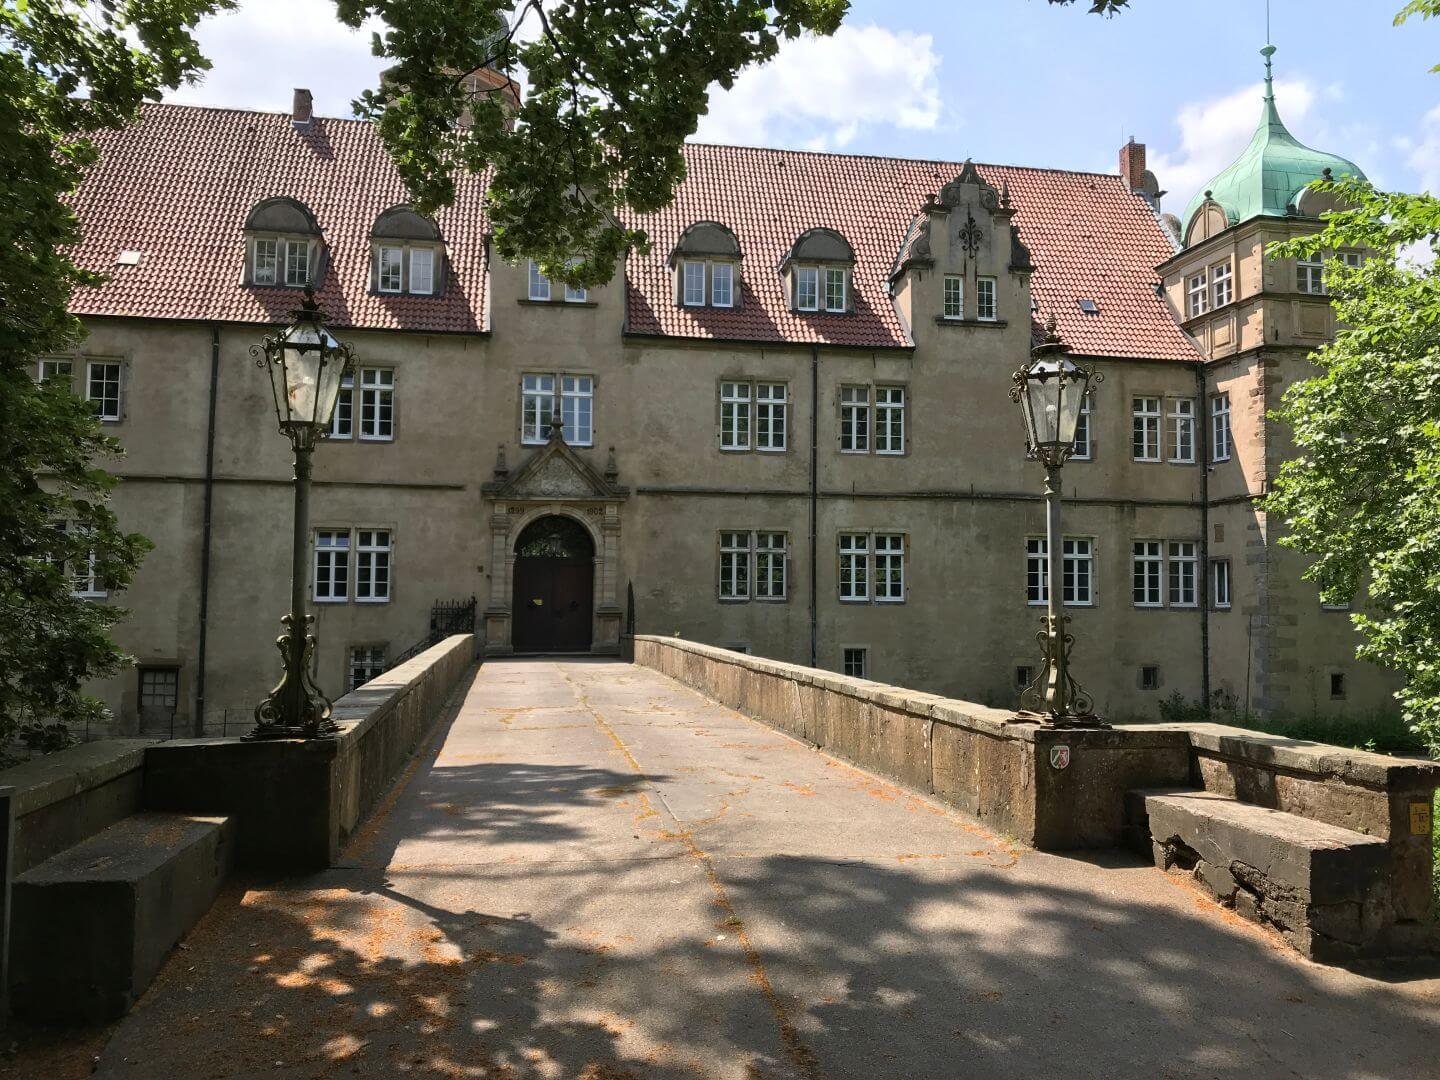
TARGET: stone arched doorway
(554,586)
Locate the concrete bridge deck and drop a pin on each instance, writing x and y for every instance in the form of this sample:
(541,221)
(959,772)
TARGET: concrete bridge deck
(597,873)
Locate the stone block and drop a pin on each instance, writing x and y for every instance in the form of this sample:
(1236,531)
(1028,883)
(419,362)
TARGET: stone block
(96,921)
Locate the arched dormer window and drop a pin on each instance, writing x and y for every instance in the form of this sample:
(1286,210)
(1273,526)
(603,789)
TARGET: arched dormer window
(819,272)
(706,262)
(407,254)
(283,244)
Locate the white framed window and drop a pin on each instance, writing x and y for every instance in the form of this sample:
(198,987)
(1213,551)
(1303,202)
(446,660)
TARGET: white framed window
(1037,571)
(342,423)
(102,388)
(1199,294)
(1145,439)
(735,415)
(890,420)
(1310,274)
(539,283)
(1077,570)
(692,283)
(854,419)
(265,261)
(575,401)
(577,404)
(854,566)
(159,689)
(389,270)
(1222,284)
(954,300)
(372,566)
(836,298)
(332,566)
(1183,571)
(770,416)
(807,288)
(889,568)
(1219,584)
(56,369)
(1083,447)
(1220,427)
(422,270)
(986,308)
(771,565)
(735,566)
(297,263)
(1147,563)
(1181,422)
(537,406)
(83,579)
(855,662)
(722,284)
(366,662)
(377,404)
(575,294)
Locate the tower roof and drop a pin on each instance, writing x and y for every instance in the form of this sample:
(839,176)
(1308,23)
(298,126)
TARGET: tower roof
(1267,178)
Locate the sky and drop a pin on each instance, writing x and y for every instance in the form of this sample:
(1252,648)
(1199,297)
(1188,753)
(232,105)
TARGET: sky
(1003,81)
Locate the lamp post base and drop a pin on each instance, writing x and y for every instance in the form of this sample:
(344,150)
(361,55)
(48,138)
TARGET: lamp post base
(295,709)
(1054,698)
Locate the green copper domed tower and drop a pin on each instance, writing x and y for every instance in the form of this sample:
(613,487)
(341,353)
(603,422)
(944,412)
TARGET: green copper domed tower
(1268,177)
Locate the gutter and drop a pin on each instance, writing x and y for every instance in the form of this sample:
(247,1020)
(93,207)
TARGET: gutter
(814,500)
(1202,421)
(206,532)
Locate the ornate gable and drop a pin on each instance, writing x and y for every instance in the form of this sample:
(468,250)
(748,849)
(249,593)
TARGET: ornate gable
(554,473)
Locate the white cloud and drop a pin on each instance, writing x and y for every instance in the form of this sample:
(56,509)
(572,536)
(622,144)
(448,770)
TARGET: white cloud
(819,93)
(1423,152)
(1213,133)
(263,48)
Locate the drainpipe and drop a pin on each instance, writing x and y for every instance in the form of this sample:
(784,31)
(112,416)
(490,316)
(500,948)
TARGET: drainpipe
(205,531)
(1202,421)
(814,499)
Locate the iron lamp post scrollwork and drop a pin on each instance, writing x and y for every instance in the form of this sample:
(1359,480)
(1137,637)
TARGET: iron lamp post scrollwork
(1051,392)
(306,366)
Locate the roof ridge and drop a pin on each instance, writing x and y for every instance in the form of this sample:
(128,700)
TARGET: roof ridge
(146,105)
(836,154)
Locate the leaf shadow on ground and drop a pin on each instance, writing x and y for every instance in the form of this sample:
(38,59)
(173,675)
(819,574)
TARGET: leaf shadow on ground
(951,968)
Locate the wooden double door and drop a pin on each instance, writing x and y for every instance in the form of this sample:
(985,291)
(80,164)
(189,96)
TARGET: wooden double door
(553,589)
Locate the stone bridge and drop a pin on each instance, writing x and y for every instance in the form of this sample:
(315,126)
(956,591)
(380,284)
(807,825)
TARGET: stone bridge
(592,871)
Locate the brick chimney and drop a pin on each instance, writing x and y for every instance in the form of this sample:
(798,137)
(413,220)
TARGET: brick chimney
(1132,164)
(301,112)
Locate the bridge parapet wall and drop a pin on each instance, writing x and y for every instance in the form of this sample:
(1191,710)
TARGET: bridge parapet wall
(1053,789)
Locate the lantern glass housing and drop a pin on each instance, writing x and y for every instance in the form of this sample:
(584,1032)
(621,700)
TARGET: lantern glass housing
(1054,395)
(306,367)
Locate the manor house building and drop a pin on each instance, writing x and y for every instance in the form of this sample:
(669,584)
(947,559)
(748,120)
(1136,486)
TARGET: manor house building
(785,428)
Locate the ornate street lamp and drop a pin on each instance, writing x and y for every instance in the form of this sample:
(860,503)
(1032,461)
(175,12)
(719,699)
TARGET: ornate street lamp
(306,366)
(1051,391)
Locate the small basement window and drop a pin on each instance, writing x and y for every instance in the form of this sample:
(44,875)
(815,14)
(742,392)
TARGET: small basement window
(1024,676)
(1149,677)
(1337,684)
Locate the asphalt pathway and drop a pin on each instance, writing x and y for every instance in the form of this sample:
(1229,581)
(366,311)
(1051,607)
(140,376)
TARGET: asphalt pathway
(596,873)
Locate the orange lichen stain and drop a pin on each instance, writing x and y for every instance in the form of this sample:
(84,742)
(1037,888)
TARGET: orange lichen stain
(911,858)
(981,997)
(799,789)
(881,793)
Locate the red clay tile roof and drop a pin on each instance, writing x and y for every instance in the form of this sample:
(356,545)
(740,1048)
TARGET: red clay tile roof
(178,185)
(1088,236)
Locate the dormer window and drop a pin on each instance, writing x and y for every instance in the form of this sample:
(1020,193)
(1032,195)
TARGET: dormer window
(705,261)
(818,271)
(283,243)
(406,253)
